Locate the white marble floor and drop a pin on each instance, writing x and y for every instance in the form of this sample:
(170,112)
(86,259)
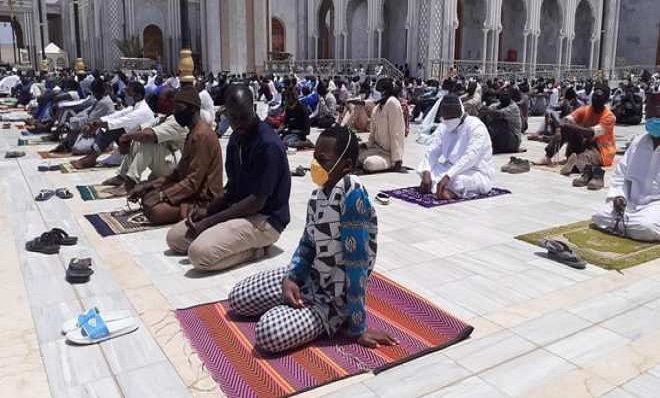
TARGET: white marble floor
(541,329)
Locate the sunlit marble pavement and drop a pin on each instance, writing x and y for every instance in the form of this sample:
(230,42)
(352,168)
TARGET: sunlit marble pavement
(541,329)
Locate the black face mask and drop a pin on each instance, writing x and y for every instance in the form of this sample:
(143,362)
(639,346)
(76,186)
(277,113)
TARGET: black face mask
(505,100)
(185,118)
(598,100)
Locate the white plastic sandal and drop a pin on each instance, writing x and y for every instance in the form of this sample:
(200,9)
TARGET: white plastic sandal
(95,329)
(110,316)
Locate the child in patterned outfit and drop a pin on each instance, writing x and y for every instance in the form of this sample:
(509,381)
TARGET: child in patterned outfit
(323,290)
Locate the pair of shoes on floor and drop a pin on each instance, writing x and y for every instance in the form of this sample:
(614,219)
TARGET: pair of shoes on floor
(93,327)
(516,166)
(45,194)
(593,177)
(47,166)
(299,171)
(51,241)
(14,154)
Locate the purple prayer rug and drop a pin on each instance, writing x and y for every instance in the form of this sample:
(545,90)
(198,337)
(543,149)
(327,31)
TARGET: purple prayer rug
(412,195)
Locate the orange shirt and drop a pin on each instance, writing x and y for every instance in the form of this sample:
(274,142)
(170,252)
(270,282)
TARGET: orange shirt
(603,123)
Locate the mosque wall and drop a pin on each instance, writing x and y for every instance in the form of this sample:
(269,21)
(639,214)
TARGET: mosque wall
(639,28)
(287,12)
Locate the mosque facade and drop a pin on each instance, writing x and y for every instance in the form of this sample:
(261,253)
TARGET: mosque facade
(242,35)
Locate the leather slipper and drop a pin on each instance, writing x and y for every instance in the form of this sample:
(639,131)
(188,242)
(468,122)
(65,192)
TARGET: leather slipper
(560,252)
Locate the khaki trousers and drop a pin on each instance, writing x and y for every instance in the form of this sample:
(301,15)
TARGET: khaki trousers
(156,157)
(225,245)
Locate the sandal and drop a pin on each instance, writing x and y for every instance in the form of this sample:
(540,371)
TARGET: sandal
(63,193)
(47,243)
(63,238)
(300,171)
(14,154)
(79,270)
(109,316)
(48,167)
(94,329)
(383,198)
(44,195)
(561,252)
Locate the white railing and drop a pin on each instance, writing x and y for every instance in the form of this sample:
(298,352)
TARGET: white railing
(512,70)
(332,67)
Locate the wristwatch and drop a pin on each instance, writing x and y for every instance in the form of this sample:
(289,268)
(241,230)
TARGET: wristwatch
(161,196)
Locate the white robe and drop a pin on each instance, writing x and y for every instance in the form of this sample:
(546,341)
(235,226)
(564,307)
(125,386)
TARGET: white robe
(636,178)
(465,155)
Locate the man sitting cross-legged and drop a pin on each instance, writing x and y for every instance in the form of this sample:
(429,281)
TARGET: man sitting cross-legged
(633,201)
(323,291)
(196,180)
(459,161)
(588,133)
(384,150)
(254,210)
(504,123)
(117,124)
(152,148)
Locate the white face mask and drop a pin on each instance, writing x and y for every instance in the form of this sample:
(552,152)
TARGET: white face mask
(377,95)
(452,124)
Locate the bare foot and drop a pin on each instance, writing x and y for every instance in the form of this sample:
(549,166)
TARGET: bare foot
(545,161)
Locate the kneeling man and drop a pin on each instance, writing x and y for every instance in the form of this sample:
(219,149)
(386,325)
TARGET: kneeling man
(240,226)
(633,201)
(459,161)
(196,180)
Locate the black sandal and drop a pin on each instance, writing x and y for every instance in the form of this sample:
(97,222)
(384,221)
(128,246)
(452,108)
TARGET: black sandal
(79,270)
(560,252)
(63,193)
(64,238)
(47,243)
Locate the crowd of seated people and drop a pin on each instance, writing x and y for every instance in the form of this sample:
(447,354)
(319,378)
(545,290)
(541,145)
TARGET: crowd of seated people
(166,132)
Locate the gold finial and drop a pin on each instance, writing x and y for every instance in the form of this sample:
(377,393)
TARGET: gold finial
(186,66)
(79,66)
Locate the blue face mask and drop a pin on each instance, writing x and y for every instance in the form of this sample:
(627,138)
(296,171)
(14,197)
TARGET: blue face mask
(653,127)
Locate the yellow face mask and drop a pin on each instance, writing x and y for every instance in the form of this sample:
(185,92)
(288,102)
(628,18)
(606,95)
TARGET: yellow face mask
(320,175)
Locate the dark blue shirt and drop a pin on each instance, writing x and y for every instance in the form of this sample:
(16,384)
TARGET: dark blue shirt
(257,165)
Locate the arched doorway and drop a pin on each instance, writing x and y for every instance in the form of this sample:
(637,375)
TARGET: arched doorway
(152,39)
(551,22)
(326,30)
(278,35)
(584,26)
(395,13)
(472,15)
(514,16)
(458,37)
(358,38)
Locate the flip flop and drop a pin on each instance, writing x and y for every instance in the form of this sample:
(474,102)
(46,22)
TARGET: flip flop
(561,252)
(44,195)
(48,167)
(63,193)
(110,316)
(79,270)
(14,154)
(94,329)
(383,198)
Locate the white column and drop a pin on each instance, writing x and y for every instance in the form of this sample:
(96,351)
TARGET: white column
(496,49)
(380,42)
(559,56)
(591,53)
(344,36)
(569,53)
(485,50)
(524,54)
(316,47)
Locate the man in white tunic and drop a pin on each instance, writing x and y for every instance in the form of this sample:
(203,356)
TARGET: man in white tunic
(632,208)
(459,161)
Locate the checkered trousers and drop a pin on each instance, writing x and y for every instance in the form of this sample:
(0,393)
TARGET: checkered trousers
(280,326)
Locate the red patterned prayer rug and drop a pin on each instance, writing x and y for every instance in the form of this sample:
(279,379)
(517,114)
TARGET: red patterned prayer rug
(225,343)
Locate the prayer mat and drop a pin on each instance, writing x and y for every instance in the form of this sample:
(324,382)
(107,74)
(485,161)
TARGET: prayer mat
(53,155)
(67,168)
(225,343)
(403,170)
(96,192)
(597,247)
(412,195)
(120,222)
